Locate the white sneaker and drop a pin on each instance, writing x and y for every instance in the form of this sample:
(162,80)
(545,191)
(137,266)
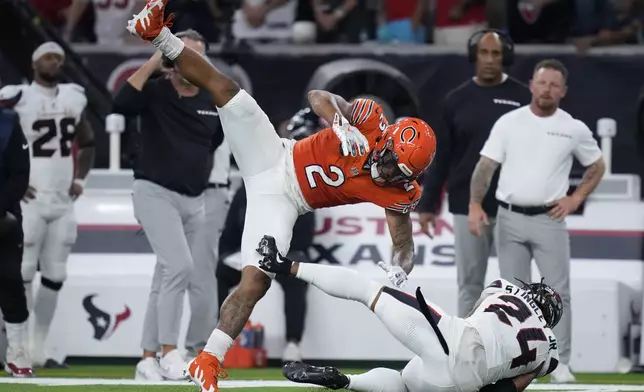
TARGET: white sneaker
(17,362)
(292,353)
(148,370)
(562,375)
(172,366)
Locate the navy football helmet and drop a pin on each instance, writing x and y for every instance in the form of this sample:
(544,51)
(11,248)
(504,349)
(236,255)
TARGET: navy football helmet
(303,124)
(547,299)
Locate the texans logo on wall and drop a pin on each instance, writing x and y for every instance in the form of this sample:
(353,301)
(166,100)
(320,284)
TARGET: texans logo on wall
(104,324)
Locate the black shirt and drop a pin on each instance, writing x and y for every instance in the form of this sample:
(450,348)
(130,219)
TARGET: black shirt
(14,163)
(178,135)
(469,112)
(230,240)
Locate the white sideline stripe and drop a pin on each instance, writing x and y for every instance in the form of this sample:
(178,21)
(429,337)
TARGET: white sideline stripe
(283,384)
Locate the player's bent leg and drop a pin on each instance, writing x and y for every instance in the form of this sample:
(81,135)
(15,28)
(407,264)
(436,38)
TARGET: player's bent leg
(267,210)
(377,380)
(428,375)
(400,314)
(59,239)
(252,138)
(244,123)
(340,282)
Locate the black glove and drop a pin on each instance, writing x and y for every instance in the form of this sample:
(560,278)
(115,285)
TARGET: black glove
(272,260)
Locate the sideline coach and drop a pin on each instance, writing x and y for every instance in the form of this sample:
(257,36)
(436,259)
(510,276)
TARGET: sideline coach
(534,146)
(180,131)
(14,180)
(469,112)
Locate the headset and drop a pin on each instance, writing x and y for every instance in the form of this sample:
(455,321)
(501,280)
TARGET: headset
(506,42)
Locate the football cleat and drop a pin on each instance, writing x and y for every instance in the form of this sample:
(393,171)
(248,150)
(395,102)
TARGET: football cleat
(149,22)
(205,371)
(326,376)
(271,260)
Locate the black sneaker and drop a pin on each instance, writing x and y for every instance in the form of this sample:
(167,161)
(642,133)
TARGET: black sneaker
(327,376)
(272,261)
(52,364)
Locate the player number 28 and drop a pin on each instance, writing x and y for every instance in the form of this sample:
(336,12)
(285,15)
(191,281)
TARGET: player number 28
(335,181)
(50,129)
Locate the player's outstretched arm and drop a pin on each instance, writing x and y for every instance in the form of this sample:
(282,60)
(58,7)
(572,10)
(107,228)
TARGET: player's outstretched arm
(327,105)
(400,229)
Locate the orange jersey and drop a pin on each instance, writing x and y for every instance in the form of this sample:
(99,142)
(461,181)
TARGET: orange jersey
(328,179)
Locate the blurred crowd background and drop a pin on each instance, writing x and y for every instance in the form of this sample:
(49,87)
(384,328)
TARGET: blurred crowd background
(584,23)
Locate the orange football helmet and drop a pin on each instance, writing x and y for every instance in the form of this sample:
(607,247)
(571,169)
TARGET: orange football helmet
(403,152)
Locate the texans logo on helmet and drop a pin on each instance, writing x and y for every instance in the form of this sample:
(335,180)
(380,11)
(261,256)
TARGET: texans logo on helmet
(104,324)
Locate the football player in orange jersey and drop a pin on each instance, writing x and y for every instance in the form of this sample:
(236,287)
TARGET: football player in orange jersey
(359,159)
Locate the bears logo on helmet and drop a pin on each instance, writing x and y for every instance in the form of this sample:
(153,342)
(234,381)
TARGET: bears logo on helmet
(403,152)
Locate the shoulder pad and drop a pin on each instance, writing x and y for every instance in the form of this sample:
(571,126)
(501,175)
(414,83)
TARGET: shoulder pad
(10,96)
(76,87)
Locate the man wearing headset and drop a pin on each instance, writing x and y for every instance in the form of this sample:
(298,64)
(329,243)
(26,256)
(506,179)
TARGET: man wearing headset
(469,112)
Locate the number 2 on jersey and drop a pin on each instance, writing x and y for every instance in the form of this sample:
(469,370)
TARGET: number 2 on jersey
(311,170)
(67,129)
(521,313)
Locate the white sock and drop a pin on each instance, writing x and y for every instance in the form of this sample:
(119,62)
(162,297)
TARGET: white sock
(17,335)
(44,308)
(218,344)
(377,380)
(340,282)
(168,44)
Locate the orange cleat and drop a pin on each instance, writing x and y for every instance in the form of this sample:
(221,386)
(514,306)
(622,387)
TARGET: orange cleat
(149,22)
(205,370)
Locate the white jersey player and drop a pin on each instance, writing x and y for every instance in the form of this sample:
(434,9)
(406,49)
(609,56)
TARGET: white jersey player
(110,16)
(52,118)
(502,346)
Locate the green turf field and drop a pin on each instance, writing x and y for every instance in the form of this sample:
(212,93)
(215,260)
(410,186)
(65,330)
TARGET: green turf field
(93,377)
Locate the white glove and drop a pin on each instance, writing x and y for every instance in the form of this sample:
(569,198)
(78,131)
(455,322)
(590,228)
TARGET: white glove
(396,275)
(351,139)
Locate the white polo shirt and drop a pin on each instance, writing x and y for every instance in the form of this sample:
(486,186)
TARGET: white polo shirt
(536,154)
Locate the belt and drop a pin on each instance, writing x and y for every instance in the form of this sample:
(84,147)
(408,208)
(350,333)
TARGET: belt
(217,186)
(530,211)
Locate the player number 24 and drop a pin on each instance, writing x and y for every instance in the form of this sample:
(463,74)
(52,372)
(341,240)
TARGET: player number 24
(50,129)
(521,312)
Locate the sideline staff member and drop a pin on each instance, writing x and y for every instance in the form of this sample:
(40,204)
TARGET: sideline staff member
(534,146)
(469,113)
(180,131)
(14,180)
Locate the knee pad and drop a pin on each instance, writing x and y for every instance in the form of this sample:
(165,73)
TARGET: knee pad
(53,271)
(50,284)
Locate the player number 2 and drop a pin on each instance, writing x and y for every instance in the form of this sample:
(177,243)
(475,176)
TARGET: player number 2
(49,130)
(312,170)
